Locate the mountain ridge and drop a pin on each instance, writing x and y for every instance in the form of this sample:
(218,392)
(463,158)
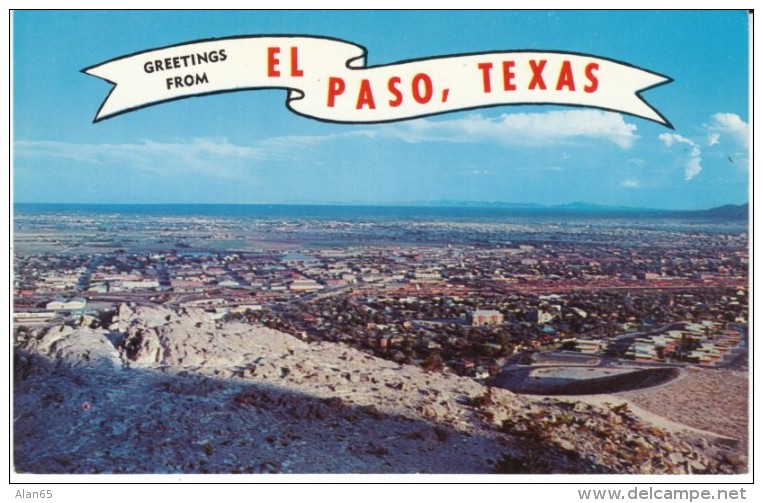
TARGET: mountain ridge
(726,210)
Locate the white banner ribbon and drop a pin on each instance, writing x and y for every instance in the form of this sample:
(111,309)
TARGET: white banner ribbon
(327,79)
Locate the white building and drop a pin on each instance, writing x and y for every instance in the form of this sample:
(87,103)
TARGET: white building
(60,304)
(305,285)
(142,284)
(485,317)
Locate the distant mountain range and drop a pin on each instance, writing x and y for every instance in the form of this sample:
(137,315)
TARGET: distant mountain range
(728,210)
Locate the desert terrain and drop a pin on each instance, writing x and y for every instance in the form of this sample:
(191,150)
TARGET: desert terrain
(181,391)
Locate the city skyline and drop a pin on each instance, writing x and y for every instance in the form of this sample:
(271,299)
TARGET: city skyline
(248,148)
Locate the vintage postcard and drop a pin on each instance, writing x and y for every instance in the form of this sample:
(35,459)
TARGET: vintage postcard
(279,245)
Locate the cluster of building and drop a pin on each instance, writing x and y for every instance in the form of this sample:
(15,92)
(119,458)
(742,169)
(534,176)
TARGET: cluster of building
(439,294)
(700,343)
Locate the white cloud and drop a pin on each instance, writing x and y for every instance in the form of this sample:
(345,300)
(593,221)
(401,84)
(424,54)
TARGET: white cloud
(724,125)
(630,184)
(282,143)
(146,153)
(479,172)
(526,129)
(215,157)
(219,157)
(693,165)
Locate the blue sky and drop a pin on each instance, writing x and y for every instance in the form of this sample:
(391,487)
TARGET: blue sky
(247,147)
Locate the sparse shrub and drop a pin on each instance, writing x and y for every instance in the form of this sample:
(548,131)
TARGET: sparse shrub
(565,418)
(432,362)
(487,415)
(521,464)
(531,427)
(483,400)
(441,433)
(621,409)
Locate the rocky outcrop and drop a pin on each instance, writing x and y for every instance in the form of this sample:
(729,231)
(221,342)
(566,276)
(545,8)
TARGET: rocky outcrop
(615,438)
(77,346)
(182,391)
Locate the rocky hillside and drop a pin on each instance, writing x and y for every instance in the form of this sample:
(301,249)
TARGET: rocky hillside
(165,391)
